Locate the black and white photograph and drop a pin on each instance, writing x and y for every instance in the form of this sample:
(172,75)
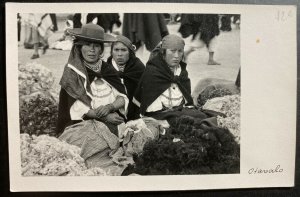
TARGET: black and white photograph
(138,94)
(141,118)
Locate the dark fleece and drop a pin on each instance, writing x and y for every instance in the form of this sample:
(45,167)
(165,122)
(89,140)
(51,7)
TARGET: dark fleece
(202,149)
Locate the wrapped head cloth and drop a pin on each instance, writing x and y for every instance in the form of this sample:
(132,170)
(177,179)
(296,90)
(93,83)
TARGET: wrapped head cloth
(172,42)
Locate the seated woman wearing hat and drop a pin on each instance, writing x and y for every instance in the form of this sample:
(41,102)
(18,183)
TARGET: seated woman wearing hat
(129,67)
(164,91)
(90,89)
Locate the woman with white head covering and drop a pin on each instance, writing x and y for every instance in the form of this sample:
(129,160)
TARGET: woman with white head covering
(164,91)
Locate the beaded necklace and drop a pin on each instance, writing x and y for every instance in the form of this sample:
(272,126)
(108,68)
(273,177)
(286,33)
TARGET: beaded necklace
(95,67)
(174,70)
(121,67)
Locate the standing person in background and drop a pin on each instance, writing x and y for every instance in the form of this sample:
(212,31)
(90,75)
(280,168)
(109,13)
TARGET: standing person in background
(19,26)
(202,30)
(145,31)
(54,22)
(226,22)
(77,20)
(106,20)
(129,67)
(37,28)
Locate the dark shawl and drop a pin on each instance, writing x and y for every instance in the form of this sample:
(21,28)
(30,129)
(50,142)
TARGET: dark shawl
(132,73)
(157,78)
(206,24)
(72,86)
(148,28)
(73,83)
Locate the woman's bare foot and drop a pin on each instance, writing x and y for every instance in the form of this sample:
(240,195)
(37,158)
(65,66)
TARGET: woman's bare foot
(213,62)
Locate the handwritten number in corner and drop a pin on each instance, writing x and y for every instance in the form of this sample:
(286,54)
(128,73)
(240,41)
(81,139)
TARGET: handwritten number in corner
(282,16)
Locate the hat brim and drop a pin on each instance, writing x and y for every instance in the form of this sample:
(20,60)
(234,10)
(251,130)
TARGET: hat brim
(77,33)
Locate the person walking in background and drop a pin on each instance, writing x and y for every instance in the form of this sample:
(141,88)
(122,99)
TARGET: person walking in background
(106,20)
(54,22)
(226,22)
(129,67)
(201,30)
(145,31)
(19,27)
(37,30)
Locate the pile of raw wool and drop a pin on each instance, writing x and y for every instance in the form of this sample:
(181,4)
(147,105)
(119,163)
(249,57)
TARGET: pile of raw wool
(211,92)
(230,106)
(38,101)
(35,79)
(48,156)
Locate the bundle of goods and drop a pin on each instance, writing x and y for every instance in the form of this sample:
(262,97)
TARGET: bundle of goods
(136,133)
(213,87)
(35,79)
(38,100)
(210,92)
(48,156)
(230,106)
(189,149)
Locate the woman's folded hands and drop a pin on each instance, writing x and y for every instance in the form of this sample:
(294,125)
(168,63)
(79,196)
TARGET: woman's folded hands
(104,110)
(114,118)
(105,114)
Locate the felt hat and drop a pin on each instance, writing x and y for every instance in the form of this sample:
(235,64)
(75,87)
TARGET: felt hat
(124,40)
(91,33)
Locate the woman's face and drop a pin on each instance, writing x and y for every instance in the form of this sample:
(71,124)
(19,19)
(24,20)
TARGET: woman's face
(91,52)
(120,53)
(173,57)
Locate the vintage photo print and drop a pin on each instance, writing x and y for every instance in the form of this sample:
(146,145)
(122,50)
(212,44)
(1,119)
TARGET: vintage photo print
(149,96)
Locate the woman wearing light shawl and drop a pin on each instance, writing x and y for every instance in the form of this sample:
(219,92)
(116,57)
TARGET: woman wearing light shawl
(90,89)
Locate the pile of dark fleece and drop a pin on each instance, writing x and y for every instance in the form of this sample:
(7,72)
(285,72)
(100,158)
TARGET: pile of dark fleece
(212,92)
(189,148)
(38,116)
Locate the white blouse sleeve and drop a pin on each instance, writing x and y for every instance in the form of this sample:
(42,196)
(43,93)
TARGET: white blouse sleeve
(155,106)
(78,109)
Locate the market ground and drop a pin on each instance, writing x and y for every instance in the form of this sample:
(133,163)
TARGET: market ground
(227,53)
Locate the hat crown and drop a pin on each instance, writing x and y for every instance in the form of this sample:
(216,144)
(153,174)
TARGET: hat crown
(92,31)
(126,42)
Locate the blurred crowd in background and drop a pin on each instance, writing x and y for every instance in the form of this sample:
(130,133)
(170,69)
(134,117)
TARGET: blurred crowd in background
(144,30)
